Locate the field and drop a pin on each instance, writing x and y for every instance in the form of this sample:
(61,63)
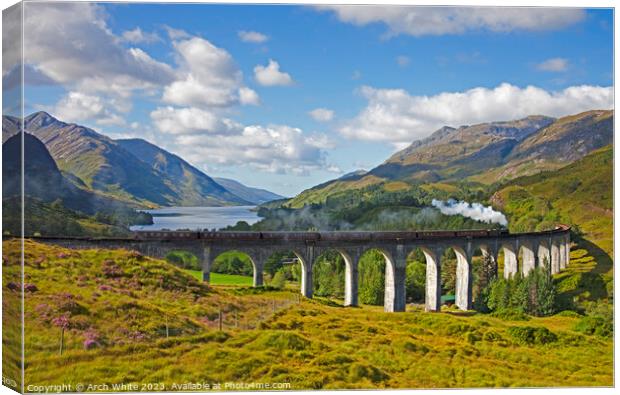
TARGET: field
(132,319)
(224,279)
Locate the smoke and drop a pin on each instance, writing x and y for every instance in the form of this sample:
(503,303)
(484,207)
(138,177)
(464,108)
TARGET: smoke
(471,210)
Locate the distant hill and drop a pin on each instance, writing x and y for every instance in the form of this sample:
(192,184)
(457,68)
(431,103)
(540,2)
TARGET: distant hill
(484,153)
(195,187)
(10,127)
(564,141)
(43,179)
(580,193)
(150,177)
(53,204)
(252,195)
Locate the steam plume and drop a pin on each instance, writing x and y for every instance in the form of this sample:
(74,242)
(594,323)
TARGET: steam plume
(471,210)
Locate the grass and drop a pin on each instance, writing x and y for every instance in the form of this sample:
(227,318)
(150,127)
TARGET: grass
(224,279)
(128,300)
(579,194)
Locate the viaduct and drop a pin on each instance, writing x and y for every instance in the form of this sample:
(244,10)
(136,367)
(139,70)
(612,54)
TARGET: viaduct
(522,252)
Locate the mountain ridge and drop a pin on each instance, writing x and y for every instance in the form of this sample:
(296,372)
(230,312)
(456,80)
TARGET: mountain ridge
(483,153)
(148,177)
(251,194)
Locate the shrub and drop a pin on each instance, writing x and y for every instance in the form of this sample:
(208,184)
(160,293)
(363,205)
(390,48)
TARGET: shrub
(595,326)
(528,335)
(278,281)
(282,340)
(568,313)
(416,347)
(357,372)
(233,262)
(184,260)
(492,336)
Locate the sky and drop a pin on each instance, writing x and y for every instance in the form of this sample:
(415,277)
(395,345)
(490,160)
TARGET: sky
(286,97)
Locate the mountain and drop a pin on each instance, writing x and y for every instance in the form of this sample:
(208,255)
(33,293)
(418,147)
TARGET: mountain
(252,195)
(454,153)
(195,187)
(103,165)
(484,153)
(43,180)
(562,142)
(579,193)
(10,127)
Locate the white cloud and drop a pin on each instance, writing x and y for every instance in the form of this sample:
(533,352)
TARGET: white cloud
(82,48)
(202,137)
(403,61)
(137,36)
(322,114)
(252,37)
(553,64)
(356,75)
(176,34)
(78,107)
(395,116)
(271,75)
(191,120)
(208,77)
(248,96)
(421,21)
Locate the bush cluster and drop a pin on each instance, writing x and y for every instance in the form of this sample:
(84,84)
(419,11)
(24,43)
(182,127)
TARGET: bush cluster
(528,335)
(534,294)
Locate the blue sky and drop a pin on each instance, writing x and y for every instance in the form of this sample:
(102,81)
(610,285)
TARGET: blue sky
(382,77)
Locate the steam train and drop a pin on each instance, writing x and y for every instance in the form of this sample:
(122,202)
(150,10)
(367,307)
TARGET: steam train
(316,236)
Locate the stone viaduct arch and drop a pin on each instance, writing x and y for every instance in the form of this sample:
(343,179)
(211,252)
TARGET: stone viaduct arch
(537,248)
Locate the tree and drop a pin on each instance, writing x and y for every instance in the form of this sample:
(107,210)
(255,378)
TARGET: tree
(372,278)
(279,279)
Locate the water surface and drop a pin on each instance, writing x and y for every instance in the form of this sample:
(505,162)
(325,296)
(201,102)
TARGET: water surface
(194,218)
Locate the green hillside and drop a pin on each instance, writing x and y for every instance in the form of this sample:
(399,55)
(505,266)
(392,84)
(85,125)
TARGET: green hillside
(580,194)
(129,318)
(195,187)
(481,154)
(148,177)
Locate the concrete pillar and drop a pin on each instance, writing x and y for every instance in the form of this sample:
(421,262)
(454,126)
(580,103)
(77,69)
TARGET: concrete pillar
(432,300)
(562,255)
(544,256)
(307,286)
(564,244)
(394,286)
(529,259)
(567,251)
(511,265)
(206,264)
(307,262)
(351,281)
(258,273)
(463,281)
(555,258)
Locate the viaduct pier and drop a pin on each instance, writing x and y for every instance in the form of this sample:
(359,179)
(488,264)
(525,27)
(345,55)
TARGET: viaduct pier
(522,253)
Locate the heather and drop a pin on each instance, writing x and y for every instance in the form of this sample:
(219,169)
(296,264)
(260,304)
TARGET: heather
(123,317)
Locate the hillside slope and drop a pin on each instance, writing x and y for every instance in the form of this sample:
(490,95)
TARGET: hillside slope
(134,318)
(53,204)
(564,141)
(43,179)
(483,153)
(580,194)
(195,187)
(253,195)
(104,165)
